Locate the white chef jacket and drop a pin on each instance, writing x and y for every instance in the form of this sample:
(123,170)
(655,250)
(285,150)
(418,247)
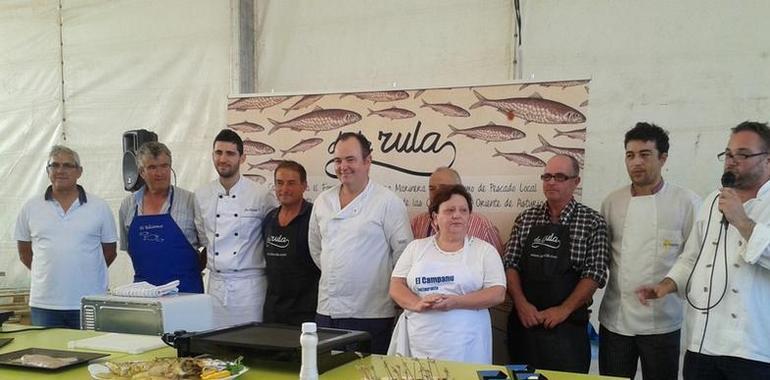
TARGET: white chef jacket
(232,222)
(739,325)
(463,335)
(647,234)
(356,248)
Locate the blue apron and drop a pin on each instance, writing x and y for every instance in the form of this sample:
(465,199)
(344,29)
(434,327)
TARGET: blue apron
(161,253)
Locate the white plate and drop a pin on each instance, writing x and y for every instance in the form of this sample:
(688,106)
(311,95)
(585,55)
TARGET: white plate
(100,369)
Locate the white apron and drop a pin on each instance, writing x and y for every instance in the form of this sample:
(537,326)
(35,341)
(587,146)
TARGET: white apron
(237,299)
(457,335)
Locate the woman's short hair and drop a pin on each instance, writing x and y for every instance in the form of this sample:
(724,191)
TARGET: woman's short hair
(444,193)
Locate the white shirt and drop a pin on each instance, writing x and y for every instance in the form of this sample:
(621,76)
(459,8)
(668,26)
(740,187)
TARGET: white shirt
(67,257)
(647,234)
(232,222)
(739,325)
(461,334)
(356,248)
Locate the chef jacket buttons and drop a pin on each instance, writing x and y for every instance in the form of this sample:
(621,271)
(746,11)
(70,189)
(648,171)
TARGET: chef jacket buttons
(735,291)
(740,243)
(733,315)
(219,271)
(236,215)
(705,289)
(220,196)
(216,254)
(233,196)
(217,215)
(234,253)
(236,234)
(216,235)
(736,265)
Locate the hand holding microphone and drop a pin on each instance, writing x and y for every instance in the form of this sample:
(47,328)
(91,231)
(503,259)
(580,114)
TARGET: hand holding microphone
(728,181)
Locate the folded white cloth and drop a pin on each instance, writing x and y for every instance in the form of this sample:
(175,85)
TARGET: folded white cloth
(145,289)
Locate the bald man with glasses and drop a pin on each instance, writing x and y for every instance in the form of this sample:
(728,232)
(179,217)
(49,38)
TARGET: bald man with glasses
(556,259)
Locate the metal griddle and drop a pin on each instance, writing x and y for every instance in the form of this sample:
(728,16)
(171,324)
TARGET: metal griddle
(258,342)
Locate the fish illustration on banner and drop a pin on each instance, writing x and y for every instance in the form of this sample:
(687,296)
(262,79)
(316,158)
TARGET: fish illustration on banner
(498,137)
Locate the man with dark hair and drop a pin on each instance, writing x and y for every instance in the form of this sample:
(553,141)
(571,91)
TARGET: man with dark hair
(67,239)
(724,271)
(649,221)
(357,231)
(232,211)
(557,258)
(157,225)
(292,276)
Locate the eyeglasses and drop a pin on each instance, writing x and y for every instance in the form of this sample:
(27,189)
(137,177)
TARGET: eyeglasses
(65,166)
(558,177)
(737,157)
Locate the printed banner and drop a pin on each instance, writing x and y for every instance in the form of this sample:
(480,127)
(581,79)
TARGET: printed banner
(497,137)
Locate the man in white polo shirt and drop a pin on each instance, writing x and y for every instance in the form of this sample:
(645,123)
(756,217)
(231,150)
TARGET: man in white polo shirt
(357,231)
(67,239)
(232,211)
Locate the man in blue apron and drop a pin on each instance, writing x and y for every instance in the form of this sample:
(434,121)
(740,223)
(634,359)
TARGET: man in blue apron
(292,276)
(157,225)
(557,257)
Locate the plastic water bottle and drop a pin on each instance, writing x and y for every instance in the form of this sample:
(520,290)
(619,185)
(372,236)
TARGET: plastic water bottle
(309,342)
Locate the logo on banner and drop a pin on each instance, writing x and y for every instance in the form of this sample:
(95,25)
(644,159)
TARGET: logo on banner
(551,241)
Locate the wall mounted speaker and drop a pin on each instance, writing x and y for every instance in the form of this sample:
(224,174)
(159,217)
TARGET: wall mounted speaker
(132,140)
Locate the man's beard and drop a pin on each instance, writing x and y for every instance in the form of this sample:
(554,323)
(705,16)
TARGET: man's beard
(228,173)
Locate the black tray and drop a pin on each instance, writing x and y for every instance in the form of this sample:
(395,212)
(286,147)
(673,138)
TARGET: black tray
(82,357)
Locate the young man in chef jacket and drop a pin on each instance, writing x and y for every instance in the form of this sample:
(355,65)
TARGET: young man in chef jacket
(649,221)
(233,209)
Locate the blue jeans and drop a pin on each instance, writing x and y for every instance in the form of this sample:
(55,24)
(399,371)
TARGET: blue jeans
(55,318)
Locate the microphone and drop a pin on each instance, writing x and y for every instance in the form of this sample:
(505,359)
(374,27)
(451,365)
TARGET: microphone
(728,180)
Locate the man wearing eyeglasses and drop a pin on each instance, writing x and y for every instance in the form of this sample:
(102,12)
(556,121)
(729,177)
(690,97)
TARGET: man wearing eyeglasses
(67,239)
(157,225)
(649,221)
(556,259)
(724,271)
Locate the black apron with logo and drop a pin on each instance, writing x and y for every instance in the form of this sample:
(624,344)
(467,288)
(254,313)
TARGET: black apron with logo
(547,279)
(292,276)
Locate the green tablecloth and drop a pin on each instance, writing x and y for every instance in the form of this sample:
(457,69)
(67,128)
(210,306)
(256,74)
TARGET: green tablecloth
(58,339)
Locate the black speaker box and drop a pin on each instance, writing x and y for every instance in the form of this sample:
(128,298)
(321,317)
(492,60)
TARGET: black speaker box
(132,140)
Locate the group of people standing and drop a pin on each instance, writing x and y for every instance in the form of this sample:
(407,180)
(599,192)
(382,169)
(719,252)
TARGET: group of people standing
(348,260)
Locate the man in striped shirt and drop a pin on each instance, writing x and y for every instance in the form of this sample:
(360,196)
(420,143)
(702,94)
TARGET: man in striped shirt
(478,226)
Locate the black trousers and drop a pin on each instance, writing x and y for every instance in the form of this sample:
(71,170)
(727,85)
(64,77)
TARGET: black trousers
(659,354)
(562,348)
(380,328)
(708,367)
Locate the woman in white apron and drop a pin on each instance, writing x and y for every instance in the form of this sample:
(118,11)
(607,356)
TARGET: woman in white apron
(446,283)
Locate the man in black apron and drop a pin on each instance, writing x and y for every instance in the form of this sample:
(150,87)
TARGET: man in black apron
(292,276)
(557,257)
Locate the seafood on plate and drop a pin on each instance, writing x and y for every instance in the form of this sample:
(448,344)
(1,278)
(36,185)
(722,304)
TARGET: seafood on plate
(171,368)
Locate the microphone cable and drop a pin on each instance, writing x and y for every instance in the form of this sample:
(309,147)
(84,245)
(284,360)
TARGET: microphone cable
(707,309)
